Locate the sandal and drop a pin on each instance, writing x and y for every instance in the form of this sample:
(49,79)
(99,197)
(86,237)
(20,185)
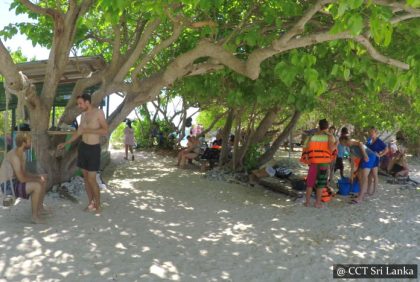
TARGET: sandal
(354,202)
(90,207)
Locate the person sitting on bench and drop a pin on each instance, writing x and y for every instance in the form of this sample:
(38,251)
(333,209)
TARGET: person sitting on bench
(398,166)
(14,176)
(191,152)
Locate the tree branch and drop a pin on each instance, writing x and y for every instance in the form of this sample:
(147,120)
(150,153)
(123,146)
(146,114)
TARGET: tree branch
(39,10)
(9,70)
(399,6)
(300,25)
(405,17)
(177,28)
(85,5)
(378,56)
(135,52)
(213,123)
(116,46)
(239,26)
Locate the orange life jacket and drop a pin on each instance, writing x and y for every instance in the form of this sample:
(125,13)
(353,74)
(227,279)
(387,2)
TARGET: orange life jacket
(303,158)
(325,196)
(317,150)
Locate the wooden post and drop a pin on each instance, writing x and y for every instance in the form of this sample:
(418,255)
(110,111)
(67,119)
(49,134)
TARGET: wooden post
(107,107)
(53,116)
(13,120)
(290,144)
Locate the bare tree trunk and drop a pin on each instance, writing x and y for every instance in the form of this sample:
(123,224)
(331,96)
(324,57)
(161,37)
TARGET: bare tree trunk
(184,121)
(246,140)
(280,139)
(236,140)
(225,137)
(58,167)
(256,136)
(213,123)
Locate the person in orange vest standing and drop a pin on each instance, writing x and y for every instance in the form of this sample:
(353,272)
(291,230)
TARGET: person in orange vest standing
(318,154)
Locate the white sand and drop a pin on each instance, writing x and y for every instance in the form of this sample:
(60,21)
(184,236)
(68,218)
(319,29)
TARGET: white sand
(160,222)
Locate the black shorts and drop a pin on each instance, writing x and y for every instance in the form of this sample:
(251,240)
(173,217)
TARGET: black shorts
(89,156)
(396,168)
(339,164)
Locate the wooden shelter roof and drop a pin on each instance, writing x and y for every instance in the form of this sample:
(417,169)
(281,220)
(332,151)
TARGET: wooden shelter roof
(77,68)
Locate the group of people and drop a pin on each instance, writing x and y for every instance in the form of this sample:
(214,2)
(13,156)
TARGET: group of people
(210,152)
(15,180)
(324,153)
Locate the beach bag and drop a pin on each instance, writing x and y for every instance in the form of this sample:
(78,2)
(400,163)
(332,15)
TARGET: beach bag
(8,193)
(282,172)
(211,154)
(299,184)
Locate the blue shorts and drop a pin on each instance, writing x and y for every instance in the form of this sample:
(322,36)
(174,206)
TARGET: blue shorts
(19,188)
(371,163)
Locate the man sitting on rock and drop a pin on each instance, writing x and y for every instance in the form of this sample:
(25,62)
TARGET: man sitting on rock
(14,176)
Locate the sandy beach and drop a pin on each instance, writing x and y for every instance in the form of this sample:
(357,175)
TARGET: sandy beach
(163,223)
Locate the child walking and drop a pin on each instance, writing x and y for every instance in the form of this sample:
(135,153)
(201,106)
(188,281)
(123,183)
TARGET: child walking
(129,140)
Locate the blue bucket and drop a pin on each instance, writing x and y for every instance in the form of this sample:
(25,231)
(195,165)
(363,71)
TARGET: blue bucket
(355,187)
(344,186)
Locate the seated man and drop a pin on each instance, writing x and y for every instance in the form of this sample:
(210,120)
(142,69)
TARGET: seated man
(189,153)
(14,176)
(392,152)
(398,166)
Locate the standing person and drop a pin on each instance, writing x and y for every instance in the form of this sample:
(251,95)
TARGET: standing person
(317,153)
(332,131)
(342,151)
(92,126)
(381,149)
(14,176)
(367,163)
(129,141)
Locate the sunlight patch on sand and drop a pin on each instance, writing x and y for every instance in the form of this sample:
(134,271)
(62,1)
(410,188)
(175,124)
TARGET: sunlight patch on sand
(166,270)
(120,246)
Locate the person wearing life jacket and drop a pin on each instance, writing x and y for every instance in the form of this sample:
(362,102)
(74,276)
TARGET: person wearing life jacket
(318,154)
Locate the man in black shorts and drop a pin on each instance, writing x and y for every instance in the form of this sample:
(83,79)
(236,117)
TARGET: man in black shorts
(92,126)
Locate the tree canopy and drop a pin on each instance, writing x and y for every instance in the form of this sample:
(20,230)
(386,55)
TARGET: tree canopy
(293,53)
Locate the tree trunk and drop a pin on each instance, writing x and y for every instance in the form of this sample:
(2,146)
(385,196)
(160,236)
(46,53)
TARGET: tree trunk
(58,167)
(236,141)
(184,121)
(256,136)
(225,137)
(280,139)
(213,123)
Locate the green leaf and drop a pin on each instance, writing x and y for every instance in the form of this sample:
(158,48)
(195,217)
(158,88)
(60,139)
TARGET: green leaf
(355,24)
(354,4)
(286,73)
(335,69)
(310,75)
(291,99)
(346,74)
(342,8)
(308,60)
(413,3)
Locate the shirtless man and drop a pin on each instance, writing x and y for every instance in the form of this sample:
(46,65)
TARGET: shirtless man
(25,184)
(92,126)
